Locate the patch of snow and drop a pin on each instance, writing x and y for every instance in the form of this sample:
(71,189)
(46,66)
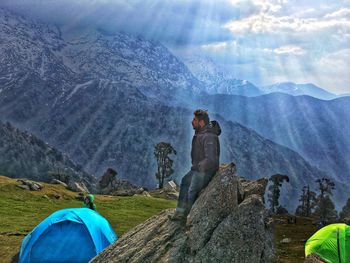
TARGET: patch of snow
(79,86)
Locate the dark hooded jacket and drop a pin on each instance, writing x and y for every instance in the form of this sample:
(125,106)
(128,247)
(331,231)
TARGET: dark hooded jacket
(205,151)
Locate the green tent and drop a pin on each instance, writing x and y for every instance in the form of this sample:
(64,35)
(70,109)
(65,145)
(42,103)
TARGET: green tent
(331,243)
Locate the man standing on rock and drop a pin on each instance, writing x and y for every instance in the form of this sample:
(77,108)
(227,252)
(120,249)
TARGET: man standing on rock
(205,162)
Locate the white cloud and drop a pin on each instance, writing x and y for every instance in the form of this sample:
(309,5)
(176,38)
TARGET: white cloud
(341,13)
(215,46)
(265,23)
(290,49)
(332,71)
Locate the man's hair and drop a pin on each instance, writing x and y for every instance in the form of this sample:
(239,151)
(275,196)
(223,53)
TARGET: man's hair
(202,115)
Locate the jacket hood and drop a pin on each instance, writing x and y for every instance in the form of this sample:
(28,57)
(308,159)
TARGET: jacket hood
(212,127)
(91,197)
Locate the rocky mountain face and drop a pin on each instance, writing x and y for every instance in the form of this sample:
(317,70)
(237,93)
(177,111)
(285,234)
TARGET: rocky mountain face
(227,223)
(22,155)
(87,98)
(318,130)
(218,81)
(299,89)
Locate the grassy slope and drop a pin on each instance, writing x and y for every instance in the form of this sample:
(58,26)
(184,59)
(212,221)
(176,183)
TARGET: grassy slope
(292,252)
(22,210)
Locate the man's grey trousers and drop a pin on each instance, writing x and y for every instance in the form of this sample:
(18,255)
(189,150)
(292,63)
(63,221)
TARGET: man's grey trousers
(191,185)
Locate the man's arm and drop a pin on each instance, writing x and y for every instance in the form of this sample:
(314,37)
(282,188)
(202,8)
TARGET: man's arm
(211,158)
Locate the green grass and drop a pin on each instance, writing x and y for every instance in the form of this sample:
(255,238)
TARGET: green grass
(293,252)
(21,211)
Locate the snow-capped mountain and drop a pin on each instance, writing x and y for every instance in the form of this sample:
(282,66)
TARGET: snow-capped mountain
(217,80)
(106,101)
(299,89)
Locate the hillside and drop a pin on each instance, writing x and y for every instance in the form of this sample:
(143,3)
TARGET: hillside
(318,130)
(24,155)
(22,210)
(66,95)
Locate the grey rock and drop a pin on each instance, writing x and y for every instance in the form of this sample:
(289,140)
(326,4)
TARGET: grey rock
(107,178)
(286,240)
(55,181)
(23,186)
(221,227)
(171,186)
(77,187)
(30,185)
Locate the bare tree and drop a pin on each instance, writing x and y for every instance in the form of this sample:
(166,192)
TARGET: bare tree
(162,151)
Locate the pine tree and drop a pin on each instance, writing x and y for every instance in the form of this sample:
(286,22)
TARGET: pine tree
(307,202)
(345,213)
(325,207)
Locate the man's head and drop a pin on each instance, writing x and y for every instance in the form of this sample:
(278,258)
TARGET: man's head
(200,119)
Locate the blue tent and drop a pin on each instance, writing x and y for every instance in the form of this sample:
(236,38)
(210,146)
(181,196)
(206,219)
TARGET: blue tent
(68,235)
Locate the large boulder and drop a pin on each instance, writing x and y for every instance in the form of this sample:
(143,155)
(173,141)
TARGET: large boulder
(107,178)
(77,187)
(110,185)
(227,223)
(29,185)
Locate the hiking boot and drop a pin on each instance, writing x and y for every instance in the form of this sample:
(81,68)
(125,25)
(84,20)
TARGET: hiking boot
(177,216)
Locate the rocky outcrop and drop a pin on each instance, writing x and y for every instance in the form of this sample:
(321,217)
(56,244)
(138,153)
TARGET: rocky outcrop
(107,178)
(77,187)
(169,191)
(29,185)
(55,181)
(109,184)
(228,223)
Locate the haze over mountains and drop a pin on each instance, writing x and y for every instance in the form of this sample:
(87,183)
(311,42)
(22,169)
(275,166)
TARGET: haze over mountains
(316,129)
(106,101)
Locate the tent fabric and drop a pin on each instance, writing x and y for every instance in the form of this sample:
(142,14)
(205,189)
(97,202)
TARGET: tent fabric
(331,243)
(68,235)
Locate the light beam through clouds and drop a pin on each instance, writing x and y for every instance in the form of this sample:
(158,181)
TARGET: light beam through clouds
(258,40)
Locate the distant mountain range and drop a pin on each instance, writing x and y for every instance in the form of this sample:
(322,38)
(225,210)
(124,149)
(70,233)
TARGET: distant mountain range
(218,81)
(299,89)
(106,101)
(318,130)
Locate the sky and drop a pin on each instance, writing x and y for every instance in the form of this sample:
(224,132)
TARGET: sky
(264,42)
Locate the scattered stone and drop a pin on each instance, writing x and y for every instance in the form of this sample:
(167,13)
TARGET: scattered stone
(145,193)
(30,185)
(286,240)
(221,227)
(55,181)
(171,186)
(23,186)
(279,221)
(77,187)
